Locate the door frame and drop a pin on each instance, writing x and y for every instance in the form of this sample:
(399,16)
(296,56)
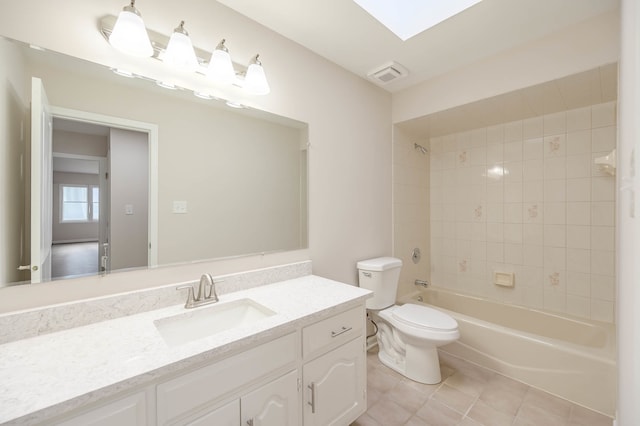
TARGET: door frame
(152,133)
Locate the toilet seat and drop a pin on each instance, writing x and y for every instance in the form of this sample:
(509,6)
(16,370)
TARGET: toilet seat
(424,317)
(413,322)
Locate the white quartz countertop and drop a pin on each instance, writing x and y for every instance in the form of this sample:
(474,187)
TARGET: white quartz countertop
(48,375)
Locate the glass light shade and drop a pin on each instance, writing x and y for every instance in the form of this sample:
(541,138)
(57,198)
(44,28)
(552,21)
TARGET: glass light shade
(220,67)
(180,52)
(256,80)
(129,34)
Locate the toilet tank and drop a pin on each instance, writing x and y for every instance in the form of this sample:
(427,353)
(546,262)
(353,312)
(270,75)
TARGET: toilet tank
(380,275)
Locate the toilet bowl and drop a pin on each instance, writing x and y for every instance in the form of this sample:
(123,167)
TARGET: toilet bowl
(408,335)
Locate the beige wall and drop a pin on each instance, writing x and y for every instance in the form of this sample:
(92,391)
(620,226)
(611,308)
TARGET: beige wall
(581,47)
(14,123)
(70,232)
(79,143)
(410,209)
(349,135)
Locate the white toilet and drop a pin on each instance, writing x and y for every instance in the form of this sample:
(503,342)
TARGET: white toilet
(408,335)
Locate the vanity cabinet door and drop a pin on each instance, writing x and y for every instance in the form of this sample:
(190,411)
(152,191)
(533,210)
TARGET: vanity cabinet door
(334,386)
(227,415)
(274,404)
(129,411)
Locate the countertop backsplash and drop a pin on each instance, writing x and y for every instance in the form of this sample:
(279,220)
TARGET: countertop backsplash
(52,318)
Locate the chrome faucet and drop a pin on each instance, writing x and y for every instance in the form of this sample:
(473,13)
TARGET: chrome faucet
(206,292)
(422,283)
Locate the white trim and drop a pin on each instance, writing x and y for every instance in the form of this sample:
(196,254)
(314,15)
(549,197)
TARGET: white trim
(139,126)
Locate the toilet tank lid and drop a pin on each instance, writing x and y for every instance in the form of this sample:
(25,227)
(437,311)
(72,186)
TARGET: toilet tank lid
(379,264)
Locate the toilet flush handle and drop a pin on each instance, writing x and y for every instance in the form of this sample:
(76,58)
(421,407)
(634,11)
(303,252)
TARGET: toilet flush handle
(366,274)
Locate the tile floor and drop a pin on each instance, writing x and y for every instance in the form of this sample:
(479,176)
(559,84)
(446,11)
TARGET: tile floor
(469,395)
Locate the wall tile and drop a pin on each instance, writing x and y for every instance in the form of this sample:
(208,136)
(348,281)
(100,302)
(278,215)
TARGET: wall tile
(603,189)
(578,213)
(523,196)
(602,310)
(602,262)
(579,142)
(578,237)
(579,189)
(578,166)
(555,236)
(603,238)
(555,124)
(603,115)
(532,255)
(603,139)
(578,260)
(555,213)
(533,149)
(555,146)
(603,213)
(579,119)
(555,167)
(579,283)
(513,131)
(578,305)
(603,287)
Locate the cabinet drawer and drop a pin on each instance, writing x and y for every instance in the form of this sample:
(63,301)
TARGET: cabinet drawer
(191,391)
(333,331)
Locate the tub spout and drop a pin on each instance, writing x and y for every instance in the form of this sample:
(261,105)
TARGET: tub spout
(422,283)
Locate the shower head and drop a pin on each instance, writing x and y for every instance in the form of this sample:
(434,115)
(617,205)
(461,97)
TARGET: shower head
(420,148)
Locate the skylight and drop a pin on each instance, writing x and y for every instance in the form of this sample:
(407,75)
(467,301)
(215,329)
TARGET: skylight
(407,18)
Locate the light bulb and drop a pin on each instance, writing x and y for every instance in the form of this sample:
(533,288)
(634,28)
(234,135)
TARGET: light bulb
(256,80)
(129,34)
(220,66)
(179,51)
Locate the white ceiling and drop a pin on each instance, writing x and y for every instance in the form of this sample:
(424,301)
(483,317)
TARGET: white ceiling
(344,33)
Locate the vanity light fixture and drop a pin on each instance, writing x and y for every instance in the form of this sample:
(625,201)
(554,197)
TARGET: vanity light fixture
(126,31)
(129,34)
(122,73)
(220,66)
(203,95)
(255,80)
(180,53)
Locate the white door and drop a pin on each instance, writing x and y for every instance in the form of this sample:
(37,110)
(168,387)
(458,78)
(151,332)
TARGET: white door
(334,386)
(41,183)
(274,404)
(104,264)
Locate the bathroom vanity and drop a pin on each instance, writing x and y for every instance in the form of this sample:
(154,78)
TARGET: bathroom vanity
(294,354)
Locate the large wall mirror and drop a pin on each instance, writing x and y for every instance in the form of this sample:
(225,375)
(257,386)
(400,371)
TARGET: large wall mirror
(141,175)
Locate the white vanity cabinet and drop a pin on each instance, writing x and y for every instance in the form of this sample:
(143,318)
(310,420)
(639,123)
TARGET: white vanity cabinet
(195,398)
(314,375)
(127,411)
(334,383)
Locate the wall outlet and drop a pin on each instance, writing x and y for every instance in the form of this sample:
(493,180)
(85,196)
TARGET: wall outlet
(179,207)
(128,209)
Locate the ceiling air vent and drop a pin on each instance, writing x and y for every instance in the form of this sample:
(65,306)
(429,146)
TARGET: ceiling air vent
(388,72)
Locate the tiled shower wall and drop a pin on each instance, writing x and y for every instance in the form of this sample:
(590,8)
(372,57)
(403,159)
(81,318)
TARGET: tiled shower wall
(526,197)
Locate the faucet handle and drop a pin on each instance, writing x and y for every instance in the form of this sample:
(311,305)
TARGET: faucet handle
(191,300)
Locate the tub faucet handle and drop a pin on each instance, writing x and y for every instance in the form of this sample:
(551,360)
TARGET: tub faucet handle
(422,283)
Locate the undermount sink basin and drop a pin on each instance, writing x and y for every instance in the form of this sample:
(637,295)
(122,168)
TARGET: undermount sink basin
(203,322)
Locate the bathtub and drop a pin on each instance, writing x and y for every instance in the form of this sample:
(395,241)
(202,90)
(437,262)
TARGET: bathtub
(571,358)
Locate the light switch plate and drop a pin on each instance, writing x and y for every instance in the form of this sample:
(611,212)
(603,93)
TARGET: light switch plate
(179,207)
(128,209)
